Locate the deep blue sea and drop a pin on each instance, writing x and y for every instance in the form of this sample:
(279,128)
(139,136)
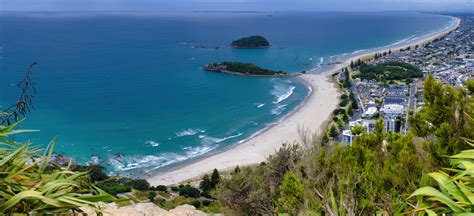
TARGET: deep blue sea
(132,82)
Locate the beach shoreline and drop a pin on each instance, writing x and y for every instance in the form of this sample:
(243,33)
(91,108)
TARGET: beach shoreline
(310,117)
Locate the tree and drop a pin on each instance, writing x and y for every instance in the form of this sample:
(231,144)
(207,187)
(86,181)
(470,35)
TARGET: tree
(333,132)
(139,184)
(345,117)
(245,193)
(151,195)
(206,184)
(161,188)
(357,130)
(291,192)
(237,169)
(354,105)
(97,173)
(350,112)
(215,178)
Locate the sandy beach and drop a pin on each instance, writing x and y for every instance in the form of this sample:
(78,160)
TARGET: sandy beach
(312,116)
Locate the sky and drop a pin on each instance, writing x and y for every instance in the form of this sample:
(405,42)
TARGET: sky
(237,5)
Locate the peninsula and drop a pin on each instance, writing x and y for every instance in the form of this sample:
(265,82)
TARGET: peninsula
(251,42)
(241,68)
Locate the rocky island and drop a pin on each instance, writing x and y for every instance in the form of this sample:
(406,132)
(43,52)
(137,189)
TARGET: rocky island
(244,69)
(251,42)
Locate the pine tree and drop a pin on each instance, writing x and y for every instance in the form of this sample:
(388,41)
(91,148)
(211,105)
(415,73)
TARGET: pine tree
(354,105)
(206,183)
(215,178)
(237,169)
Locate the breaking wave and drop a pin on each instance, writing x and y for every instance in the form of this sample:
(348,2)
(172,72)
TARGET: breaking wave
(152,143)
(189,132)
(151,162)
(278,109)
(282,92)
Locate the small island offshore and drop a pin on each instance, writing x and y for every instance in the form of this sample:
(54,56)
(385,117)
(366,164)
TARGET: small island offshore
(251,42)
(243,69)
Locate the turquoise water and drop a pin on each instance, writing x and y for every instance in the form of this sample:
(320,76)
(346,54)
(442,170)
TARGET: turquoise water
(132,83)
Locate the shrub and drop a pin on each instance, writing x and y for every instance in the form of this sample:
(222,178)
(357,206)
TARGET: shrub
(344,96)
(25,188)
(196,203)
(161,188)
(206,194)
(139,184)
(343,103)
(151,195)
(115,186)
(174,188)
(291,192)
(206,202)
(189,191)
(338,111)
(95,172)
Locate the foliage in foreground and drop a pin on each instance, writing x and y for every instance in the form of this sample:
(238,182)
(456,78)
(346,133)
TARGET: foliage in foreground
(455,192)
(26,187)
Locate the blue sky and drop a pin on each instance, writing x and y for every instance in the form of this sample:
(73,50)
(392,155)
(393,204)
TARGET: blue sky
(190,5)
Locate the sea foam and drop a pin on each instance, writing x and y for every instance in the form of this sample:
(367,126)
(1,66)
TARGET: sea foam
(281,92)
(150,162)
(189,132)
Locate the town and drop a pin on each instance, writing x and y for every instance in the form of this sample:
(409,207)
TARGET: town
(390,85)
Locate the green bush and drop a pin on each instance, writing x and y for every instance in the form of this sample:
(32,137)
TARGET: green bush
(206,202)
(95,172)
(161,188)
(25,188)
(196,203)
(174,188)
(338,111)
(115,186)
(189,191)
(151,195)
(139,184)
(343,103)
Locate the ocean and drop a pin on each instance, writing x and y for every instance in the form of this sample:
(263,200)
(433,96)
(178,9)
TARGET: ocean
(132,83)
